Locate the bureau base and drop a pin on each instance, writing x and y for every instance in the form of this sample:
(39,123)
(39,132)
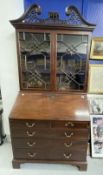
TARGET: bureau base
(81,165)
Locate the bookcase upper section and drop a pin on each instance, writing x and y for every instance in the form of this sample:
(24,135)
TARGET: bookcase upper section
(53,53)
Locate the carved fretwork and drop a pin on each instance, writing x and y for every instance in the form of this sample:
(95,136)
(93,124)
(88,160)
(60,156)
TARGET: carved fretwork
(73,18)
(31,15)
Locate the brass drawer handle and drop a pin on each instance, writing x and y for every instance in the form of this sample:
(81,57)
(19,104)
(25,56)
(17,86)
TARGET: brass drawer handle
(69,124)
(68,156)
(30,134)
(31,155)
(31,144)
(30,125)
(68,145)
(69,135)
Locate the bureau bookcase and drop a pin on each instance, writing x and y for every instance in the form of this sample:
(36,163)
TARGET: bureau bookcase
(49,121)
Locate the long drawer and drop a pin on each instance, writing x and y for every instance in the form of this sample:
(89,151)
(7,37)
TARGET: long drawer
(49,143)
(51,154)
(50,133)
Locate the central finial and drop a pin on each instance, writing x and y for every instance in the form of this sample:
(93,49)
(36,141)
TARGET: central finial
(53,15)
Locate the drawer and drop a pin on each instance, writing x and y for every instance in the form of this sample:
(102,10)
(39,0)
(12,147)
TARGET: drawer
(49,154)
(47,144)
(27,124)
(50,133)
(69,124)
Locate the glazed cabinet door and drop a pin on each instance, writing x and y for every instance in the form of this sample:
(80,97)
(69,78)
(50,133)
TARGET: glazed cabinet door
(34,60)
(72,51)
(53,61)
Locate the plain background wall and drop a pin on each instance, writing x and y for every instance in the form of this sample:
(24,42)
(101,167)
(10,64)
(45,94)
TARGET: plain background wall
(9,9)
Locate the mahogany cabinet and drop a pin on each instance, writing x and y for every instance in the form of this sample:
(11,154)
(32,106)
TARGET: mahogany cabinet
(50,118)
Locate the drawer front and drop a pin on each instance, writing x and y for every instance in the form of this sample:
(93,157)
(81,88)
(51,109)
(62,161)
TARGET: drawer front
(70,124)
(51,154)
(50,133)
(28,124)
(49,144)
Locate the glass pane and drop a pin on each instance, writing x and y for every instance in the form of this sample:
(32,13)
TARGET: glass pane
(71,61)
(35,60)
